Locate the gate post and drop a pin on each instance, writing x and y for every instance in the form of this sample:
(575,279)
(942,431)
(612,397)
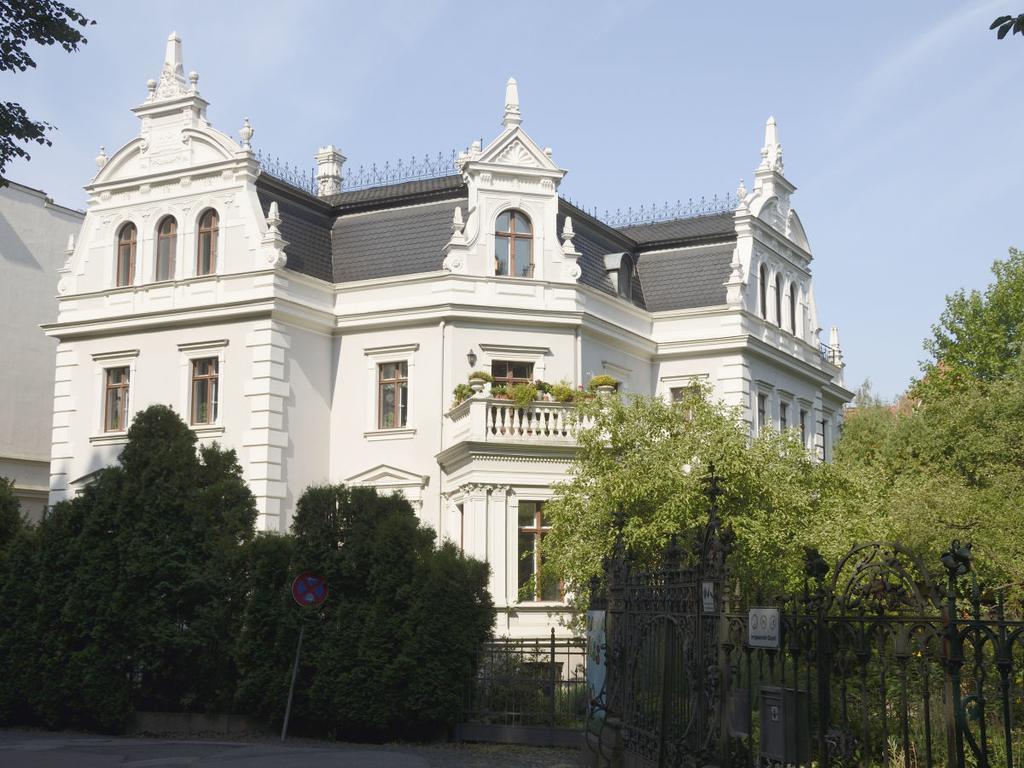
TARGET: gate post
(957,562)
(824,665)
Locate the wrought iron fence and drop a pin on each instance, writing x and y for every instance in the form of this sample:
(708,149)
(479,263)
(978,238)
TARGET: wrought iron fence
(530,682)
(879,661)
(651,214)
(402,170)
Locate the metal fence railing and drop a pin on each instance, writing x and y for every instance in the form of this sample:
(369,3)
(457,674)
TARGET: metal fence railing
(530,682)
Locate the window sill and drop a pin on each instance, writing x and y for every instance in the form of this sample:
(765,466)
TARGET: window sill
(400,433)
(109,438)
(205,431)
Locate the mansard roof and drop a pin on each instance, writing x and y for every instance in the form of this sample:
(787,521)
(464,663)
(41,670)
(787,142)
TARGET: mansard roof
(402,229)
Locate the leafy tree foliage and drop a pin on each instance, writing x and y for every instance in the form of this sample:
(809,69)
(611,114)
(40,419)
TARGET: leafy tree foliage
(392,649)
(134,588)
(22,22)
(980,335)
(11,520)
(1007,23)
(651,458)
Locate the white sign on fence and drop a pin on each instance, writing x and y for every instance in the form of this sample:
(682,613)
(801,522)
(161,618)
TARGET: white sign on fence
(763,628)
(707,594)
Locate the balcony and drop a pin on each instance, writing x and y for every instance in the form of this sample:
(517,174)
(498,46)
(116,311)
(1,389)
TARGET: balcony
(488,420)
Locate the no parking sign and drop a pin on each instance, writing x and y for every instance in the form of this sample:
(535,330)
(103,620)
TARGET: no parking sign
(309,589)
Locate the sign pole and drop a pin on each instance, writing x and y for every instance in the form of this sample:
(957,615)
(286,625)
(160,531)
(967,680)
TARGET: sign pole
(291,688)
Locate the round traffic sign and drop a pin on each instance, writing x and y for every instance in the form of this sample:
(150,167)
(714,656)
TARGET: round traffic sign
(309,589)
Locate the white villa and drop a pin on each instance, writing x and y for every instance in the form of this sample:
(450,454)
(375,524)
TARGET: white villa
(321,331)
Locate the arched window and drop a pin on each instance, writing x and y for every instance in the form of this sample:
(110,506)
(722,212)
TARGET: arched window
(206,245)
(763,285)
(513,245)
(778,300)
(792,308)
(127,240)
(166,247)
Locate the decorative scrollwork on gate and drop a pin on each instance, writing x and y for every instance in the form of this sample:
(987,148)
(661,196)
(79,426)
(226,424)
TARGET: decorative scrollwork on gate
(880,578)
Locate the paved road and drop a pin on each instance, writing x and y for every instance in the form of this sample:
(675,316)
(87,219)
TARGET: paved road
(32,749)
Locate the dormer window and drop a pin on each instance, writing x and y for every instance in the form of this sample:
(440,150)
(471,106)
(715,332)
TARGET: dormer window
(127,239)
(166,245)
(206,246)
(513,245)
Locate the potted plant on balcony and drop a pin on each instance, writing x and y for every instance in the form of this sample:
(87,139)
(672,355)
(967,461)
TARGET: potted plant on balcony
(478,380)
(461,394)
(603,384)
(563,392)
(522,394)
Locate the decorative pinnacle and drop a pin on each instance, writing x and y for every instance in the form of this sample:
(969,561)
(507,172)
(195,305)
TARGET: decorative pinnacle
(771,152)
(512,115)
(457,223)
(273,217)
(101,158)
(741,194)
(567,230)
(71,244)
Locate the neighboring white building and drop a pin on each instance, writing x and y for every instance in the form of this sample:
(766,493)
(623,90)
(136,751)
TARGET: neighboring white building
(321,334)
(34,234)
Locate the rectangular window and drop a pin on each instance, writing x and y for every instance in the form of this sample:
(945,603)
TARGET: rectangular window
(392,395)
(115,408)
(205,390)
(821,439)
(462,527)
(762,412)
(803,427)
(508,372)
(533,527)
(783,416)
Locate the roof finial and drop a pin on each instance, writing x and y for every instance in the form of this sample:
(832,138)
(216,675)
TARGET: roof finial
(833,343)
(101,158)
(771,152)
(172,77)
(245,134)
(512,116)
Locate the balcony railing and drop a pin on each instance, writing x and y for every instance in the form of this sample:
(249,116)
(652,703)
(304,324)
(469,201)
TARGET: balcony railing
(485,419)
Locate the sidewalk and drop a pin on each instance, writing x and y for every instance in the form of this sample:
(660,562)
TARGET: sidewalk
(40,749)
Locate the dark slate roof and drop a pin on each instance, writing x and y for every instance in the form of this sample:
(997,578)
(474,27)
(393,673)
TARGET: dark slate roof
(421,191)
(685,278)
(392,241)
(709,228)
(305,225)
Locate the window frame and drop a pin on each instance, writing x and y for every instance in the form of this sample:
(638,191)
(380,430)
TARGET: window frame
(538,531)
(133,249)
(172,251)
(763,415)
(763,290)
(778,299)
(191,352)
(104,361)
(510,380)
(212,385)
(793,307)
(405,353)
(124,390)
(511,236)
(397,381)
(213,231)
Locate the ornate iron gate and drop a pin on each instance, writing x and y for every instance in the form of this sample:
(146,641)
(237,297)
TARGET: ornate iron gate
(877,664)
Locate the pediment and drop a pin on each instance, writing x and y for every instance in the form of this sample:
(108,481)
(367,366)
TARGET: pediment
(515,148)
(386,476)
(163,149)
(795,231)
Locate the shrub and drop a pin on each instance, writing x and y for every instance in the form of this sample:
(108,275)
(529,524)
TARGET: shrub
(542,386)
(481,375)
(602,380)
(461,393)
(522,394)
(390,652)
(500,391)
(563,393)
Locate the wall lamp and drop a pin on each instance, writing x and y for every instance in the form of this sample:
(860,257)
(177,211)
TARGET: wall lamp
(471,357)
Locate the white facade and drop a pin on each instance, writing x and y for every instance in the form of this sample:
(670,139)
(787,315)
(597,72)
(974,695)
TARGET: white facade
(34,234)
(304,334)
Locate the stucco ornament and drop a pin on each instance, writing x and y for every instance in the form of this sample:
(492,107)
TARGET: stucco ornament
(570,255)
(455,253)
(245,134)
(273,243)
(172,82)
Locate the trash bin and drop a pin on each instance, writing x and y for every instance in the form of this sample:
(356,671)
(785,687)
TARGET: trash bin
(785,725)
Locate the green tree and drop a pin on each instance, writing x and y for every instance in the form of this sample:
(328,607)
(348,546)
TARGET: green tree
(11,520)
(651,458)
(22,22)
(393,648)
(979,335)
(138,585)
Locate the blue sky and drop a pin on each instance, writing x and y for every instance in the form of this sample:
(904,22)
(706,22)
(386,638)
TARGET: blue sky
(902,122)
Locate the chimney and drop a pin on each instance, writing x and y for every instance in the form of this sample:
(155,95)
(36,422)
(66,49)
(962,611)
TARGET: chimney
(328,170)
